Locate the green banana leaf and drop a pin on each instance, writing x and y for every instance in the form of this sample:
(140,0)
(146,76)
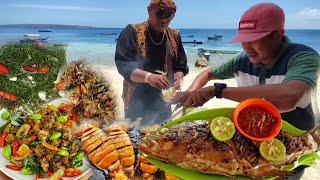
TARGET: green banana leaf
(306,160)
(186,174)
(201,115)
(288,128)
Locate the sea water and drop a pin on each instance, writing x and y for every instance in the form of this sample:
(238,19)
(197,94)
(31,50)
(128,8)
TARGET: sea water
(97,45)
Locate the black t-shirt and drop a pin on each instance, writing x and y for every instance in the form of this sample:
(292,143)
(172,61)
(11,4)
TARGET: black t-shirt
(146,99)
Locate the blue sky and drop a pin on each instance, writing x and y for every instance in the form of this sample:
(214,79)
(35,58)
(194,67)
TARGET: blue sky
(300,14)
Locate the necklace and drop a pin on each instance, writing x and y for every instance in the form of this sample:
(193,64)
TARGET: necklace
(154,42)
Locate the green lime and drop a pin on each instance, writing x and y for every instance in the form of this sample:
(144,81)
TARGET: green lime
(273,150)
(222,128)
(5,115)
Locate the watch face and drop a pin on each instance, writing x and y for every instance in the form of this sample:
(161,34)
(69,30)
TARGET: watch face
(220,85)
(218,89)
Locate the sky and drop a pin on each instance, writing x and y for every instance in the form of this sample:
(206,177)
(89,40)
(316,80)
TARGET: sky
(202,14)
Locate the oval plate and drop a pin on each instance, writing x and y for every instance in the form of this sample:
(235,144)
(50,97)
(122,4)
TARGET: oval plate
(85,168)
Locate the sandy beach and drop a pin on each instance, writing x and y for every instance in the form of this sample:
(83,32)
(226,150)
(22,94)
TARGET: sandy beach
(115,79)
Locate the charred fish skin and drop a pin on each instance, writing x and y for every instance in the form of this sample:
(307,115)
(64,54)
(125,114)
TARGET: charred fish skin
(190,145)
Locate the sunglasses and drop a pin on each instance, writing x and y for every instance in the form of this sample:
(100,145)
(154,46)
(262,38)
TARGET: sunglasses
(164,11)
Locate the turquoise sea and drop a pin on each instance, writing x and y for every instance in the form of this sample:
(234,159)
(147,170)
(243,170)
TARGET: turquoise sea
(97,45)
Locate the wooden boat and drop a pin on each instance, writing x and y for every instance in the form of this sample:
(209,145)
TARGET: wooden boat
(192,42)
(215,37)
(33,37)
(45,30)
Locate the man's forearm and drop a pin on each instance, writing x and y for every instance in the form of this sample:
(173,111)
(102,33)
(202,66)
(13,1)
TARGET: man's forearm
(284,97)
(139,75)
(201,80)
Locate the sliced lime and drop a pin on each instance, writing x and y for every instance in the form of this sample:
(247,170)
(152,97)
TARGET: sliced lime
(273,150)
(222,128)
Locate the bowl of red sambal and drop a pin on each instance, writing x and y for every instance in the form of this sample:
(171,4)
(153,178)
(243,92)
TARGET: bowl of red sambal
(257,119)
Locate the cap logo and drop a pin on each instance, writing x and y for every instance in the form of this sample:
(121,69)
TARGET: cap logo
(249,24)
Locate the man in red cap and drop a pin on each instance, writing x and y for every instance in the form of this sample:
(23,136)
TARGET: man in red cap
(142,51)
(271,67)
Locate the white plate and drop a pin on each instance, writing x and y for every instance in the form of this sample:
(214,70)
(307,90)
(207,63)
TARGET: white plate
(85,168)
(16,175)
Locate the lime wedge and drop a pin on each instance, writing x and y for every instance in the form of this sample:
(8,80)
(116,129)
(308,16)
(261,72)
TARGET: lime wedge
(273,150)
(222,128)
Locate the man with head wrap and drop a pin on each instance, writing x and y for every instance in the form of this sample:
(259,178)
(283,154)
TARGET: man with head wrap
(142,50)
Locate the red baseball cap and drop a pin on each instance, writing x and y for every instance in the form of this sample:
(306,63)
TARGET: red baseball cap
(259,21)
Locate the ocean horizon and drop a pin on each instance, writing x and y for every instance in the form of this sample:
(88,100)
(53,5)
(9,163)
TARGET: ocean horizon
(97,45)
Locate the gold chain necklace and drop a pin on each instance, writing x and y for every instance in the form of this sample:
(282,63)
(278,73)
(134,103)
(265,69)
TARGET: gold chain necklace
(156,43)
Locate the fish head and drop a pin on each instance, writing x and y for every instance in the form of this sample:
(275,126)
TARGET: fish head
(155,145)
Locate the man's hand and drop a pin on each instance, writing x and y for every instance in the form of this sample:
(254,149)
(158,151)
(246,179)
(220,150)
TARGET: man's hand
(198,97)
(158,81)
(178,78)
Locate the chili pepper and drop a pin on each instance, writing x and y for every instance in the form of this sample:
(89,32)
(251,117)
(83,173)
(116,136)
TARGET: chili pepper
(13,167)
(26,171)
(3,69)
(8,96)
(65,108)
(37,176)
(7,152)
(74,117)
(36,69)
(36,117)
(63,153)
(15,147)
(72,172)
(3,138)
(49,172)
(55,136)
(33,138)
(62,119)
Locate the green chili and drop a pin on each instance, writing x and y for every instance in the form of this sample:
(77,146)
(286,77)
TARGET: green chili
(63,153)
(7,152)
(62,119)
(55,136)
(36,117)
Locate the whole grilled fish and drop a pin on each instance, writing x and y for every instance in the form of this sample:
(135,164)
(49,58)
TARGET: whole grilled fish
(190,145)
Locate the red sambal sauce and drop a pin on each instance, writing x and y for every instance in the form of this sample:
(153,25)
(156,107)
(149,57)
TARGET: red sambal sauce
(256,122)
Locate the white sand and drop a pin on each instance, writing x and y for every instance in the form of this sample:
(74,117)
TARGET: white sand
(116,81)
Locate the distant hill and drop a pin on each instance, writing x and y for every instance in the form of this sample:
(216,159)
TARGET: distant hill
(45,26)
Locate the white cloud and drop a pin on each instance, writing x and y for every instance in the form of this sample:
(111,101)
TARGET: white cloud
(69,8)
(309,14)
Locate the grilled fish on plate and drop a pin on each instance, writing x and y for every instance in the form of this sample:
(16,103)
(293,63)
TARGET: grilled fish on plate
(190,145)
(114,150)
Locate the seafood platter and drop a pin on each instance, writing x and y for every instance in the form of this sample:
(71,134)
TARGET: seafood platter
(75,133)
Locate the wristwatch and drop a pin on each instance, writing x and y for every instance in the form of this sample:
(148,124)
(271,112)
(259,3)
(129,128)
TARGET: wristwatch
(218,88)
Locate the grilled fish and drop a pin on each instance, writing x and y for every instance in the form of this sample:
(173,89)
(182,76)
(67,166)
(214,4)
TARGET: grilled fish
(115,150)
(111,150)
(190,145)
